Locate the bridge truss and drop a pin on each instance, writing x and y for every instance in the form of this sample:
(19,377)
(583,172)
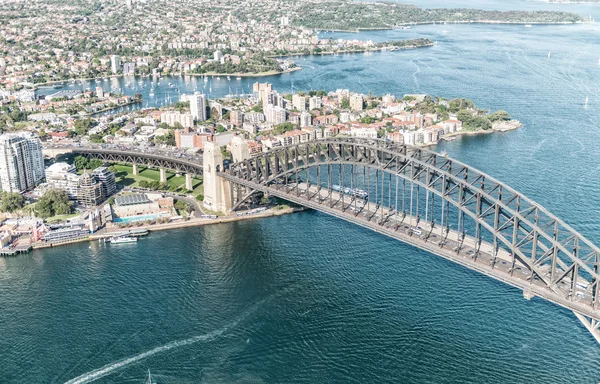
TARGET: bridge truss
(141,158)
(437,204)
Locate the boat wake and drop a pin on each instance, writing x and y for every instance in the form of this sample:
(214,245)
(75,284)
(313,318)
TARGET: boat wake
(109,368)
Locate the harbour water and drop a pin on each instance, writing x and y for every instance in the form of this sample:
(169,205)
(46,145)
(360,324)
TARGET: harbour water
(308,298)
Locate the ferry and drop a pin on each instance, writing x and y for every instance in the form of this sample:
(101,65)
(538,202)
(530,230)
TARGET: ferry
(350,191)
(122,239)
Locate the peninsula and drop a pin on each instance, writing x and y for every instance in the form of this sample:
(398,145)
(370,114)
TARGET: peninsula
(50,40)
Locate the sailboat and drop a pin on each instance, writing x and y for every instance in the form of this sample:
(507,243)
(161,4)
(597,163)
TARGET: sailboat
(149,379)
(549,53)
(587,99)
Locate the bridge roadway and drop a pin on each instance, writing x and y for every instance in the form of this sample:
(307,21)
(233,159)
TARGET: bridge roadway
(435,240)
(177,161)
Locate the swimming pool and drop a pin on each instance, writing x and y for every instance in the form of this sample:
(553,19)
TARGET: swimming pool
(132,219)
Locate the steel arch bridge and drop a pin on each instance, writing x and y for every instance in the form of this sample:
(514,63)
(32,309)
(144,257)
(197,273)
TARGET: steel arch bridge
(151,160)
(437,204)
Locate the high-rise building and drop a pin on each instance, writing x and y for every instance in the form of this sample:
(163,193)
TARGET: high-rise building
(171,118)
(299,102)
(89,190)
(314,103)
(356,102)
(275,114)
(128,68)
(198,106)
(262,91)
(236,118)
(115,64)
(305,119)
(218,56)
(107,178)
(21,162)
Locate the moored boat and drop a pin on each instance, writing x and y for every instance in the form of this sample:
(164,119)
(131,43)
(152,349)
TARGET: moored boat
(122,239)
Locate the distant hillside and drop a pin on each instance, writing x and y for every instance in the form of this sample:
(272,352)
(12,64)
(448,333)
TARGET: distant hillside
(347,15)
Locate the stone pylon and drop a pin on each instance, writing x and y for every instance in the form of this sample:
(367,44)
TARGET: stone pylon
(217,192)
(239,149)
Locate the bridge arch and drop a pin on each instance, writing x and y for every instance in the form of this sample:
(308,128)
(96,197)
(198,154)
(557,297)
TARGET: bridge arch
(510,237)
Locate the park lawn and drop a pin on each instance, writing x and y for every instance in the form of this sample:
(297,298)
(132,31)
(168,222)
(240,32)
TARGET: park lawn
(125,177)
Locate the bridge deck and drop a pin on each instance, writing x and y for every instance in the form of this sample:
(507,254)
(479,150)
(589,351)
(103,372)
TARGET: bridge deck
(434,240)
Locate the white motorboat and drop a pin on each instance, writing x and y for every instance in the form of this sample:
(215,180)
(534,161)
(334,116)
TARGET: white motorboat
(122,240)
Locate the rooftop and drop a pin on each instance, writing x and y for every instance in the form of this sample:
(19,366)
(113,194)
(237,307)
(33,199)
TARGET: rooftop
(138,198)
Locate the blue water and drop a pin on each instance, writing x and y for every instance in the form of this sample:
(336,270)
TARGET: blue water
(308,298)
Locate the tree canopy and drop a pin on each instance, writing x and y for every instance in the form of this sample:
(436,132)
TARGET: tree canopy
(11,201)
(54,202)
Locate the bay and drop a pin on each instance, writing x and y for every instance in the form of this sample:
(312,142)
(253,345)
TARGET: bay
(308,298)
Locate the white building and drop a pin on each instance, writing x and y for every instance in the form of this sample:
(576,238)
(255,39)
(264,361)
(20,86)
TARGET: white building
(21,162)
(299,102)
(198,106)
(185,119)
(314,103)
(305,119)
(218,56)
(356,102)
(107,178)
(63,176)
(365,133)
(115,64)
(275,114)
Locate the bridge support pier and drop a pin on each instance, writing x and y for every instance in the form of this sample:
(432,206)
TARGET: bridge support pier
(188,182)
(217,191)
(136,171)
(163,175)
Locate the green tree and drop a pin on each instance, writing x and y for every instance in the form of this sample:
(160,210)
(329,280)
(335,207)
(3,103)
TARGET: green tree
(94,163)
(499,116)
(11,201)
(82,126)
(345,103)
(183,206)
(54,202)
(81,162)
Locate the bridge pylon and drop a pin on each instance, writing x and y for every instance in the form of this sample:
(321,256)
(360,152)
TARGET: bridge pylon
(217,195)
